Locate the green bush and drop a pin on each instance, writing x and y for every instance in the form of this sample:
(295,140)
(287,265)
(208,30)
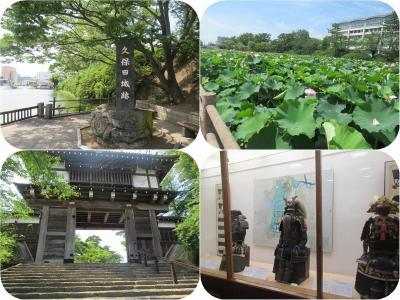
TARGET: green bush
(96,81)
(357,54)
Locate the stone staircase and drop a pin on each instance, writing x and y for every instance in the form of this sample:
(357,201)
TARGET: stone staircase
(52,281)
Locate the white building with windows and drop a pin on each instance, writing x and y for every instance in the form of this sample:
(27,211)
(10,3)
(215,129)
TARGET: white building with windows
(357,29)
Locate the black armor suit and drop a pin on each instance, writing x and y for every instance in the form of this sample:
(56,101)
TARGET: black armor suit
(240,251)
(292,257)
(378,267)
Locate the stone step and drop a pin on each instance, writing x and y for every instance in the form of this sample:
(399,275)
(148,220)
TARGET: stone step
(96,272)
(120,293)
(84,288)
(146,269)
(84,282)
(85,266)
(57,280)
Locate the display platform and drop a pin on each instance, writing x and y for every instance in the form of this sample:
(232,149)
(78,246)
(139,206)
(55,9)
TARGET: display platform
(336,286)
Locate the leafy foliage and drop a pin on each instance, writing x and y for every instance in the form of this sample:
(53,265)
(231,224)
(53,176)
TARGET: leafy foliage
(90,251)
(184,177)
(375,45)
(73,34)
(188,233)
(282,101)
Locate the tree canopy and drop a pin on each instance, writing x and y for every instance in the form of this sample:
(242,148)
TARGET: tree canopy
(77,33)
(90,251)
(184,177)
(383,45)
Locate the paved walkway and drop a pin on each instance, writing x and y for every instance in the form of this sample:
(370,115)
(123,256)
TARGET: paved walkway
(61,133)
(36,133)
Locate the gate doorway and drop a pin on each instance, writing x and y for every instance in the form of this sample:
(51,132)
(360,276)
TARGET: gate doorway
(100,246)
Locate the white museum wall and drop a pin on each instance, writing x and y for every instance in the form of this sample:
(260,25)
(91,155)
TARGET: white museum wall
(358,177)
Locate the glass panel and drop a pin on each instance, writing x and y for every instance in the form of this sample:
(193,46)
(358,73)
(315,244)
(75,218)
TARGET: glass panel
(140,170)
(360,177)
(153,182)
(140,181)
(212,242)
(259,183)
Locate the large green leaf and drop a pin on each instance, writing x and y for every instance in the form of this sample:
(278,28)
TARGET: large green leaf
(376,116)
(234,100)
(251,126)
(211,86)
(340,136)
(268,138)
(294,92)
(335,89)
(352,96)
(247,89)
(296,116)
(226,92)
(331,111)
(273,84)
(226,112)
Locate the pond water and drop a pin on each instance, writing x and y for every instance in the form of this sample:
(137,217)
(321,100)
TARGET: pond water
(11,99)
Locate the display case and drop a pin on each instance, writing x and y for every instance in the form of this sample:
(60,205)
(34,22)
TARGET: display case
(295,219)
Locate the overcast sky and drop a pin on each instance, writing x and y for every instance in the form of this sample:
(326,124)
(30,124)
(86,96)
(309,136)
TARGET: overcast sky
(229,18)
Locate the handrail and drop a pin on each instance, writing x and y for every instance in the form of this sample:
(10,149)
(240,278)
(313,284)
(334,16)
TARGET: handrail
(18,109)
(19,114)
(213,127)
(86,99)
(174,263)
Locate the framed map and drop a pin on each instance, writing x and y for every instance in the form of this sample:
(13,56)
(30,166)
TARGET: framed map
(269,207)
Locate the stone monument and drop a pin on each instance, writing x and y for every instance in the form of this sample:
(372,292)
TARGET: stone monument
(124,125)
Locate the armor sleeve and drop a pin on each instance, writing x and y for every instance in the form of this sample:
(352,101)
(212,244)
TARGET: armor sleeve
(303,232)
(366,229)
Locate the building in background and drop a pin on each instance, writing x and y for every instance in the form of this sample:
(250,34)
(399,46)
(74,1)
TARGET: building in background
(9,73)
(43,76)
(357,29)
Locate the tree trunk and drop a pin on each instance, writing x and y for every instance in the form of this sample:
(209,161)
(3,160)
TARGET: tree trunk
(172,84)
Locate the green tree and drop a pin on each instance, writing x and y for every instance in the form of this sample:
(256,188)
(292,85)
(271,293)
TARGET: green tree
(283,42)
(391,37)
(84,32)
(37,168)
(184,177)
(90,251)
(372,43)
(339,42)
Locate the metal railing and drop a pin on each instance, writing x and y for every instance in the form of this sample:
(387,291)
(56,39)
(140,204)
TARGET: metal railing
(173,264)
(11,116)
(78,106)
(51,110)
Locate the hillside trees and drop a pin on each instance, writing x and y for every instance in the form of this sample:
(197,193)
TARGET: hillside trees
(391,37)
(339,42)
(77,33)
(90,251)
(184,177)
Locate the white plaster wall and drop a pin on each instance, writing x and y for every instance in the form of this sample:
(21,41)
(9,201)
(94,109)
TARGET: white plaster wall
(358,176)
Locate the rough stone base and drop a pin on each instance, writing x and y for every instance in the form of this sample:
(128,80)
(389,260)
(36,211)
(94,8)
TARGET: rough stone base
(127,129)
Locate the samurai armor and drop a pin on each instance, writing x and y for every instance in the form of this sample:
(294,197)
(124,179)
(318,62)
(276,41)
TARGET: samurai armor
(378,267)
(240,251)
(292,257)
